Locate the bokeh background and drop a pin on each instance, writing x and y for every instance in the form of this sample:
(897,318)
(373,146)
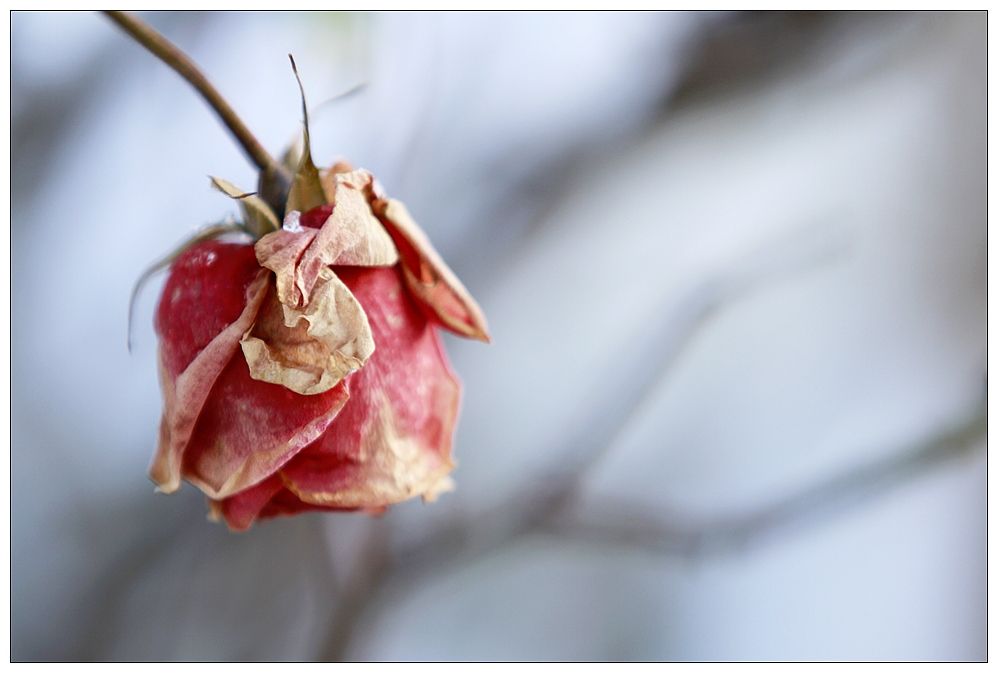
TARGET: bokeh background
(735,270)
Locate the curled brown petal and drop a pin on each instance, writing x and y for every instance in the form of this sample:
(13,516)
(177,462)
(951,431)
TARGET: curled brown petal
(429,279)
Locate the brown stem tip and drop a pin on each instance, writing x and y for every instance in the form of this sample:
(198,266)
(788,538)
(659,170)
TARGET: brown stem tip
(159,46)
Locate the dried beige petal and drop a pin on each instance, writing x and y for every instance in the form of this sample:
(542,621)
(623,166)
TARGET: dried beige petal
(428,277)
(352,235)
(280,252)
(328,177)
(310,349)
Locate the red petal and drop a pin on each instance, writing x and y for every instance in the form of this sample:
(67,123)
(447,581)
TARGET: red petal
(204,293)
(392,441)
(248,429)
(210,300)
(242,509)
(309,350)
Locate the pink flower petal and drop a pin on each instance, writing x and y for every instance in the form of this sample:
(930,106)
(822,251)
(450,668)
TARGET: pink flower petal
(239,511)
(248,429)
(207,284)
(392,441)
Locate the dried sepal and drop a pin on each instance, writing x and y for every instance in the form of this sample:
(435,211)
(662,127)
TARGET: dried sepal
(306,187)
(259,217)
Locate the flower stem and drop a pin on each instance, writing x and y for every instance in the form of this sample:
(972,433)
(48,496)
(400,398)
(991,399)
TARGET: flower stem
(147,36)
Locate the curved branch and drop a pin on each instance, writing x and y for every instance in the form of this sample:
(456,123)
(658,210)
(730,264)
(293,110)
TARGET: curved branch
(162,48)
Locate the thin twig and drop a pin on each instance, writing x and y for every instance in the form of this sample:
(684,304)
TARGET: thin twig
(353,600)
(633,526)
(149,38)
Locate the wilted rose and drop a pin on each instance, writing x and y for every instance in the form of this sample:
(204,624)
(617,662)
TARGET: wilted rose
(306,371)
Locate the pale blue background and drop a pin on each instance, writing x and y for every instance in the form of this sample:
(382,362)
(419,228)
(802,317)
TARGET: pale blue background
(579,199)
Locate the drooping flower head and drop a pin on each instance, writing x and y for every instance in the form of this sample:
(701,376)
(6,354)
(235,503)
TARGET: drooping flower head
(305,370)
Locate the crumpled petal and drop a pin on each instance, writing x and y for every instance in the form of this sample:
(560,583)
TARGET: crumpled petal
(350,235)
(391,441)
(437,290)
(353,236)
(310,350)
(321,333)
(280,252)
(328,179)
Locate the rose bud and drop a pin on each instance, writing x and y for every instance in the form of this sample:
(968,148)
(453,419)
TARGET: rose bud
(306,371)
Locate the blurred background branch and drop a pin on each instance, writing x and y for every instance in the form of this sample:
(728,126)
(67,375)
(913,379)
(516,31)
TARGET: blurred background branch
(632,526)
